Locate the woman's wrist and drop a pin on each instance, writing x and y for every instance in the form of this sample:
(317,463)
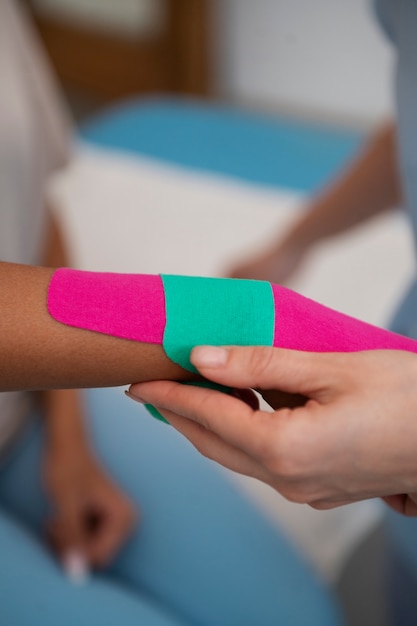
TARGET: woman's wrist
(64,421)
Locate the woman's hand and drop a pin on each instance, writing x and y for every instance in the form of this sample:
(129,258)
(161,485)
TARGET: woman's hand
(355,436)
(91,517)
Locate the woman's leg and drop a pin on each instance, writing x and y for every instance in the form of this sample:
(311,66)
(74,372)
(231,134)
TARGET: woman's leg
(201,548)
(34,591)
(201,552)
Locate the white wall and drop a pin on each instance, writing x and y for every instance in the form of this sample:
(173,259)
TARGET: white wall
(327,56)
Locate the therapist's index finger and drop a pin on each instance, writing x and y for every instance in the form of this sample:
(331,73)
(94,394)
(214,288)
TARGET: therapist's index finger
(229,417)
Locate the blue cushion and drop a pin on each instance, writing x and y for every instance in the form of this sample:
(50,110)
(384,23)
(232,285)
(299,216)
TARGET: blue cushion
(263,149)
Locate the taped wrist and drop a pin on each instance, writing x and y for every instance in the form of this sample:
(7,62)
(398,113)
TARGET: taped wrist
(180,312)
(177,312)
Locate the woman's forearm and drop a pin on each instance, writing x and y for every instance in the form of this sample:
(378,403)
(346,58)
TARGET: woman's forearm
(38,352)
(63,409)
(64,329)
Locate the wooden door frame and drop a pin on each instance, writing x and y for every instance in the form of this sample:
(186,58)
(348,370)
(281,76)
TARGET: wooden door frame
(175,59)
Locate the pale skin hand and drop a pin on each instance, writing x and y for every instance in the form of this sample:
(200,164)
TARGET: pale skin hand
(369,186)
(354,438)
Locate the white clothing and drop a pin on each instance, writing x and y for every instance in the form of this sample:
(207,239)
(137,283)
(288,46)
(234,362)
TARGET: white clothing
(34,133)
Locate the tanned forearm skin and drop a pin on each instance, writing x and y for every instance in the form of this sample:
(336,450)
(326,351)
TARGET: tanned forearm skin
(39,353)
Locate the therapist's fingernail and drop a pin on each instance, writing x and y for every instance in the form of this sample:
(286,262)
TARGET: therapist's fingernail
(131,393)
(209,356)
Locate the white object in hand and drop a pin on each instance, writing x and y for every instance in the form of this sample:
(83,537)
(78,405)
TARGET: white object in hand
(75,566)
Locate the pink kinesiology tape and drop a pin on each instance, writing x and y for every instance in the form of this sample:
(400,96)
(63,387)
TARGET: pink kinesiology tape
(303,324)
(132,306)
(129,306)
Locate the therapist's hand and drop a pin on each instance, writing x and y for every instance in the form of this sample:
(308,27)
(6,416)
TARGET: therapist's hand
(355,436)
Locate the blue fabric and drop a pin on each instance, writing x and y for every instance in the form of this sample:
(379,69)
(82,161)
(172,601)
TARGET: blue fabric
(201,555)
(261,149)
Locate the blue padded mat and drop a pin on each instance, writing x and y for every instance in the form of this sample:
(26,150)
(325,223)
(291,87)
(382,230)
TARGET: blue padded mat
(262,149)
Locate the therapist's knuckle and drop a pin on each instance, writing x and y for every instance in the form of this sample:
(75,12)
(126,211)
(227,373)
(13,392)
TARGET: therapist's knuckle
(201,443)
(275,455)
(261,360)
(206,451)
(281,450)
(269,455)
(281,464)
(295,494)
(200,410)
(321,505)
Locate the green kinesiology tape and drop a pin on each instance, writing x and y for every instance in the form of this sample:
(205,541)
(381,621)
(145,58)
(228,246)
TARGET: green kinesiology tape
(215,311)
(200,383)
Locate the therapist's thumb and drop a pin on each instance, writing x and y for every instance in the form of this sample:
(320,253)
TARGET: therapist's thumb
(262,367)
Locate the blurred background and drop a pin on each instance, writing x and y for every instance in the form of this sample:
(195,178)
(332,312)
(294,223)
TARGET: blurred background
(204,126)
(323,59)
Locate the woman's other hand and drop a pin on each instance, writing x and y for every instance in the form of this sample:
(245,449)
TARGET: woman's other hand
(90,514)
